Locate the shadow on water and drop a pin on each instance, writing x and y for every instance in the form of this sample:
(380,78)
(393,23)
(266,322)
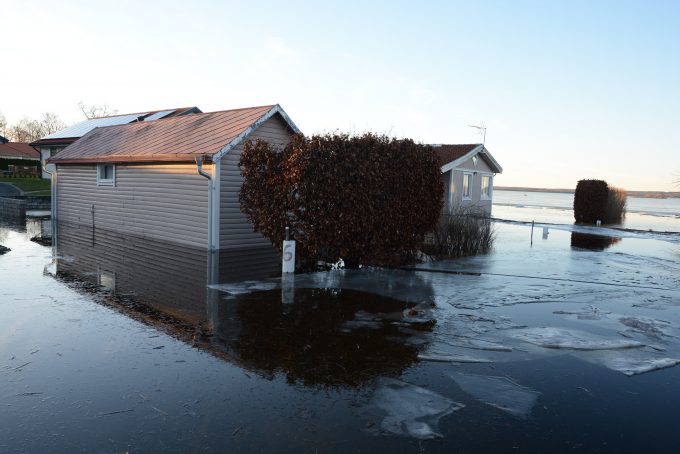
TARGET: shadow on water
(592,242)
(324,331)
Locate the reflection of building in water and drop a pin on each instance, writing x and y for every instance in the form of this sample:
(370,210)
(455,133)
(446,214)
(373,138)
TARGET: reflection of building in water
(169,277)
(316,334)
(592,242)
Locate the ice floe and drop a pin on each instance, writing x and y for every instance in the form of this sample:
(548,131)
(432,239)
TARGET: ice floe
(631,362)
(399,408)
(589,313)
(635,366)
(499,392)
(449,358)
(650,327)
(550,337)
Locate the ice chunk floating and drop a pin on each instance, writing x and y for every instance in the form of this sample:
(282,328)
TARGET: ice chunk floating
(549,337)
(499,392)
(634,364)
(408,410)
(438,357)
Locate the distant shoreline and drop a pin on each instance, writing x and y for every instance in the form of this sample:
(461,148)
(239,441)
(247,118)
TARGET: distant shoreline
(642,194)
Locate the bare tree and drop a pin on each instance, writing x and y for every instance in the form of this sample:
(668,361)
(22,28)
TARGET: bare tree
(25,130)
(29,130)
(3,125)
(96,110)
(51,123)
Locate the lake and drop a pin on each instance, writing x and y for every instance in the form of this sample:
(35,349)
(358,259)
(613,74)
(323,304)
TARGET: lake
(557,208)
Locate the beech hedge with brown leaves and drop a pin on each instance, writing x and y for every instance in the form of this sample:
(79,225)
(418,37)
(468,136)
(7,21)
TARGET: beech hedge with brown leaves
(367,199)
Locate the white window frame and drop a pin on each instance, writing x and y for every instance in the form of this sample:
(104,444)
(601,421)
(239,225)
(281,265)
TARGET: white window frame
(490,195)
(106,182)
(452,189)
(462,189)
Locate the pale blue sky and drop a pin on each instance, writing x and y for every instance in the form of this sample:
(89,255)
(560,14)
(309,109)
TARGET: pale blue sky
(567,89)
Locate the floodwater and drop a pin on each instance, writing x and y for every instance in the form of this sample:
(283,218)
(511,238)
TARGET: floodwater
(566,342)
(661,215)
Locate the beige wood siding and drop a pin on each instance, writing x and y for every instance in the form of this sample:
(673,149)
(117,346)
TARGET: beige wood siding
(167,202)
(475,193)
(235,230)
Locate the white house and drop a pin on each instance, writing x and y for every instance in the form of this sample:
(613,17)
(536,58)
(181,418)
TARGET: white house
(467,173)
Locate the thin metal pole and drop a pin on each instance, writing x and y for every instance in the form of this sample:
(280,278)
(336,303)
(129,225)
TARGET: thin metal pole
(532,233)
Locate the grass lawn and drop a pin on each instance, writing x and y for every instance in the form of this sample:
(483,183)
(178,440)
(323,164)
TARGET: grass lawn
(29,184)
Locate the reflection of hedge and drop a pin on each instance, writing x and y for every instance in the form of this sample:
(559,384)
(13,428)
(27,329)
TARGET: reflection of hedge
(592,242)
(368,199)
(594,200)
(317,341)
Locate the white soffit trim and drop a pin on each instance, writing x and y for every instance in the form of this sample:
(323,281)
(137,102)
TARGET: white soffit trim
(241,137)
(479,149)
(485,153)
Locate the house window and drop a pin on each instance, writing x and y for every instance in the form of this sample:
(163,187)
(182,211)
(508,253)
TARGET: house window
(467,186)
(106,175)
(486,187)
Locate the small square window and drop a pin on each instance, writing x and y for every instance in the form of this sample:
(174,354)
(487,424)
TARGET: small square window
(467,186)
(106,175)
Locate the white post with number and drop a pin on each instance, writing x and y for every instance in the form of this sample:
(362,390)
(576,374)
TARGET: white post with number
(288,263)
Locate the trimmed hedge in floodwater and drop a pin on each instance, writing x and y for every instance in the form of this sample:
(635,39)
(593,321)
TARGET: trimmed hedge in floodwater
(595,200)
(368,199)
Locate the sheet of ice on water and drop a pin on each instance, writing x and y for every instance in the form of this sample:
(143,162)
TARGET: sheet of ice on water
(443,357)
(650,327)
(631,362)
(499,392)
(550,337)
(402,409)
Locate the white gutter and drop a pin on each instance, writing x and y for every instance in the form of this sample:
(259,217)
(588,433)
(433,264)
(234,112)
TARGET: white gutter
(199,168)
(53,207)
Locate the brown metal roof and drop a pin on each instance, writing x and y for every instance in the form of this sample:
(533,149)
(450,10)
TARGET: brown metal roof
(449,153)
(18,150)
(174,139)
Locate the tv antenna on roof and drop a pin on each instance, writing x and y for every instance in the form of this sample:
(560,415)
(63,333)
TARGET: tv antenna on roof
(482,131)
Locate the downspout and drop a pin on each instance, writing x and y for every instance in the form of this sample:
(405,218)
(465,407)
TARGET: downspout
(53,207)
(212,274)
(199,168)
